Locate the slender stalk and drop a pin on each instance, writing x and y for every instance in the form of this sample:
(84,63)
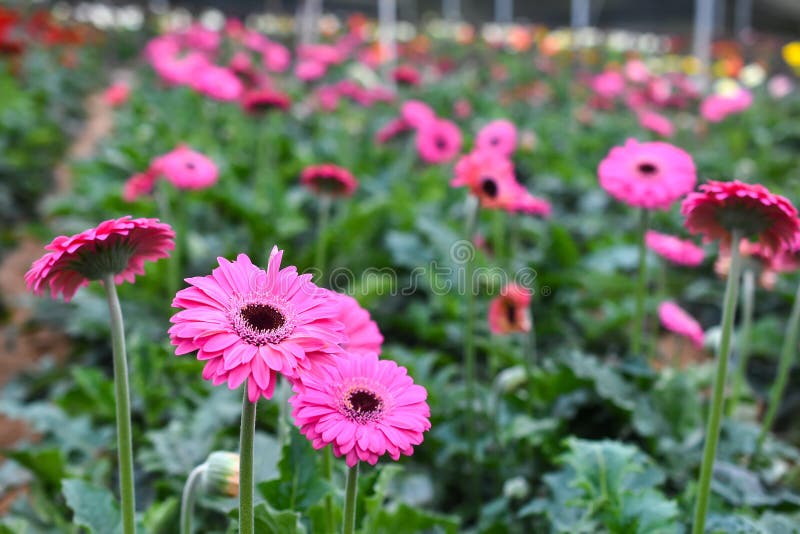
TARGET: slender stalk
(323,216)
(717,397)
(350,500)
(327,470)
(788,352)
(188,498)
(246,437)
(122,398)
(469,336)
(498,237)
(743,338)
(641,286)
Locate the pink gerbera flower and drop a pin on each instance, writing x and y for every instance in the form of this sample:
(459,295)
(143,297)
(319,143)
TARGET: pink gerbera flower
(647,175)
(310,70)
(249,324)
(117,94)
(608,84)
(719,208)
(499,135)
(364,407)
(117,246)
(259,101)
(510,312)
(406,75)
(138,185)
(716,107)
(391,129)
(363,335)
(655,122)
(489,176)
(524,202)
(218,83)
(186,168)
(676,250)
(438,141)
(677,320)
(329,179)
(417,113)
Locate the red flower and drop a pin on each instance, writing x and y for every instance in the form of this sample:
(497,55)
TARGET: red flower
(329,179)
(262,100)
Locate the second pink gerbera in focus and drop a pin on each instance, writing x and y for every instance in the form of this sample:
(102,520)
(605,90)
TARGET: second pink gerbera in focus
(647,175)
(364,407)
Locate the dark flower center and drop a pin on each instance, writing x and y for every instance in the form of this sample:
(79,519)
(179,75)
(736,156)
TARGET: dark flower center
(363,405)
(440,142)
(647,168)
(489,187)
(494,141)
(329,184)
(262,317)
(511,314)
(190,165)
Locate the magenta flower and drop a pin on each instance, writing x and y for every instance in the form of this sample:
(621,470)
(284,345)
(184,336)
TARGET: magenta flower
(218,83)
(117,246)
(717,107)
(406,75)
(608,84)
(249,324)
(655,122)
(647,175)
(363,335)
(438,141)
(674,249)
(186,168)
(677,320)
(417,113)
(310,70)
(364,407)
(499,135)
(258,101)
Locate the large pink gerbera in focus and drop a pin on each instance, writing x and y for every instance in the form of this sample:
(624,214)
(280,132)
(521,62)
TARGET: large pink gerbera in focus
(719,208)
(674,249)
(499,135)
(677,320)
(117,246)
(364,407)
(249,324)
(186,168)
(647,175)
(363,335)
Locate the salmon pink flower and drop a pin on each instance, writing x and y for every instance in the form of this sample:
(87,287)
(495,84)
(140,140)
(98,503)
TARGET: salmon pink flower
(677,320)
(647,175)
(249,324)
(489,176)
(186,168)
(719,208)
(438,141)
(510,312)
(674,249)
(117,246)
(138,185)
(117,94)
(364,407)
(499,135)
(329,179)
(524,202)
(363,335)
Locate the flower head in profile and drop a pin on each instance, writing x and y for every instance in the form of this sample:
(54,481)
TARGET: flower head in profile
(216,82)
(117,246)
(674,249)
(259,101)
(406,75)
(718,106)
(249,324)
(655,122)
(186,168)
(760,260)
(438,141)
(499,135)
(510,311)
(364,407)
(647,175)
(489,176)
(677,320)
(363,335)
(719,208)
(329,179)
(526,203)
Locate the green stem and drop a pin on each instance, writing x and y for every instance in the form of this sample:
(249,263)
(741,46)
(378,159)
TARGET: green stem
(350,500)
(327,469)
(641,286)
(188,498)
(717,398)
(498,239)
(469,339)
(743,339)
(788,352)
(246,438)
(323,217)
(122,397)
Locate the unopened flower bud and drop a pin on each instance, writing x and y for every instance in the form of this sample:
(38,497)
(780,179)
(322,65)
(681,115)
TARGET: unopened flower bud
(221,476)
(516,488)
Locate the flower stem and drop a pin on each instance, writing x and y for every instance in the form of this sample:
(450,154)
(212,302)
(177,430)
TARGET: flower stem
(788,352)
(743,339)
(246,438)
(327,470)
(472,208)
(350,500)
(641,286)
(122,397)
(717,398)
(323,216)
(498,244)
(188,498)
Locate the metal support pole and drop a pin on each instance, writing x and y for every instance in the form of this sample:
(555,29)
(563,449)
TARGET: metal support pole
(503,11)
(703,27)
(580,11)
(451,10)
(743,16)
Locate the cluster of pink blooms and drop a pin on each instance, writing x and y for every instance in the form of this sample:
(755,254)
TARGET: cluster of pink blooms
(182,167)
(330,96)
(249,325)
(438,140)
(716,107)
(489,174)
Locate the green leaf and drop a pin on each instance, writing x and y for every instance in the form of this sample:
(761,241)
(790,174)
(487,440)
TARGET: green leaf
(270,521)
(93,507)
(404,519)
(48,465)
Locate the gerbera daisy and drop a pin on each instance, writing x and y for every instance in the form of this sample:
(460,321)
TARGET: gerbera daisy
(364,407)
(391,129)
(216,82)
(363,335)
(406,75)
(655,122)
(438,141)
(499,135)
(674,249)
(329,179)
(262,100)
(719,208)
(677,320)
(524,202)
(489,176)
(510,312)
(647,175)
(117,246)
(138,185)
(247,323)
(417,113)
(186,168)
